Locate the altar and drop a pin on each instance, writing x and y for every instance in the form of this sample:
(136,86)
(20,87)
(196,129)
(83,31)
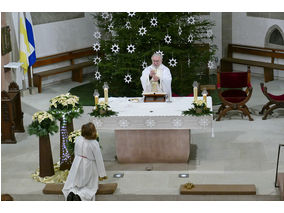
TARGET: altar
(153,132)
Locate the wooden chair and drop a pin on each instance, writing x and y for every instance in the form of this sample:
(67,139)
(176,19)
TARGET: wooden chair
(230,90)
(275,102)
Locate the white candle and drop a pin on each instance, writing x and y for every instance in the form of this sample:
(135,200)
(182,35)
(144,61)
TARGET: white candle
(106,95)
(96,100)
(195,93)
(205,98)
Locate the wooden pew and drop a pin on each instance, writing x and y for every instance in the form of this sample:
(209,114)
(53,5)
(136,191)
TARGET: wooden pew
(272,54)
(77,69)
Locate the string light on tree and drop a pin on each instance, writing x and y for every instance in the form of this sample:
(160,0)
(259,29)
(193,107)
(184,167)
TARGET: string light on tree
(105,16)
(160,52)
(154,22)
(97,60)
(131,14)
(64,134)
(168,39)
(191,20)
(142,31)
(97,46)
(211,64)
(179,30)
(97,75)
(115,48)
(127,25)
(131,48)
(188,62)
(144,64)
(209,33)
(97,35)
(110,27)
(190,38)
(172,62)
(127,78)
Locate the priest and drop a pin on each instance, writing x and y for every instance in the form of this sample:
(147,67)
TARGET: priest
(157,78)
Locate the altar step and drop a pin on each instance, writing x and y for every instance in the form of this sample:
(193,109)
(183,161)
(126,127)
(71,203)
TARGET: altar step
(150,197)
(218,189)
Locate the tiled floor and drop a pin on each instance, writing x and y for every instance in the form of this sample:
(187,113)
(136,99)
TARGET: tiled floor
(242,152)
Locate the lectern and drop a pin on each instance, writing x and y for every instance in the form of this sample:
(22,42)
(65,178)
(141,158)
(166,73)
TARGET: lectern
(154,97)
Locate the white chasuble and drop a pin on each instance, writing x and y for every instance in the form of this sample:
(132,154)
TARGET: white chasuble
(165,77)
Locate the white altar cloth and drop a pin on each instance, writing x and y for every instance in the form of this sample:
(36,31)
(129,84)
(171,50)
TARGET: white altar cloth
(133,113)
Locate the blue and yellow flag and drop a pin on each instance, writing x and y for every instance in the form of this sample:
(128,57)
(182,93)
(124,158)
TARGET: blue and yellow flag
(27,44)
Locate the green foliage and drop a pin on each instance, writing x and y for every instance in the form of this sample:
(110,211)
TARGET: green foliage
(69,111)
(102,111)
(114,66)
(198,110)
(44,128)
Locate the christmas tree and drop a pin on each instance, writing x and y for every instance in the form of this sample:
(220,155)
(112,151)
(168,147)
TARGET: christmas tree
(125,43)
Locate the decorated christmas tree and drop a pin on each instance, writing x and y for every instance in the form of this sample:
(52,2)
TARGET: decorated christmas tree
(125,43)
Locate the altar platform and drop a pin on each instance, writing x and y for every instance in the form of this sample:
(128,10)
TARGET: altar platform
(153,132)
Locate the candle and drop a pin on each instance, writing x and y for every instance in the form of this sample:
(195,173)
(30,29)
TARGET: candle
(106,95)
(96,100)
(105,87)
(96,96)
(204,94)
(195,91)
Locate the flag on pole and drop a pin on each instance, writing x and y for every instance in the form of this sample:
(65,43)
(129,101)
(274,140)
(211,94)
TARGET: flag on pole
(30,33)
(27,45)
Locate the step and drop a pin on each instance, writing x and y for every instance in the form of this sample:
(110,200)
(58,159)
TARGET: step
(219,189)
(52,188)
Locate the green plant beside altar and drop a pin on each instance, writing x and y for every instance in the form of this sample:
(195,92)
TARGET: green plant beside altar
(66,105)
(71,140)
(43,124)
(199,109)
(102,110)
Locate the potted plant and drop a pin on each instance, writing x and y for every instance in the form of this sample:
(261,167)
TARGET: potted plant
(43,124)
(65,107)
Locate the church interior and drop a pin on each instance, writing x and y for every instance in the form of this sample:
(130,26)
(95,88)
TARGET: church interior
(237,154)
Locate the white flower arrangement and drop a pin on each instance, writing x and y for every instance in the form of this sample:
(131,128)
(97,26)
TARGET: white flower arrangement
(65,105)
(43,123)
(64,100)
(42,115)
(72,136)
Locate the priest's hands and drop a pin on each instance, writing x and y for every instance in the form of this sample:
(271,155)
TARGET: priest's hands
(154,76)
(102,178)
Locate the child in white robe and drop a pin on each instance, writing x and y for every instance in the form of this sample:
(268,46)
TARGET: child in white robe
(87,168)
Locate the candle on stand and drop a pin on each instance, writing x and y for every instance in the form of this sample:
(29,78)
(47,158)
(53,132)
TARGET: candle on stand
(195,90)
(204,94)
(105,87)
(96,96)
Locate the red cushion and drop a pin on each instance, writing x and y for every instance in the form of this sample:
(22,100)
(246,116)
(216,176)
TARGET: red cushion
(234,96)
(276,97)
(233,79)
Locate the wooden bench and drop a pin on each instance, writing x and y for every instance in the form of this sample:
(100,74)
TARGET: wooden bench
(227,62)
(77,69)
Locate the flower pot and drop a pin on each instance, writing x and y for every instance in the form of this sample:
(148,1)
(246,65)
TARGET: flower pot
(45,157)
(66,158)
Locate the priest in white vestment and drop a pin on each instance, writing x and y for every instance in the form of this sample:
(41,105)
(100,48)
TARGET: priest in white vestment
(157,78)
(87,167)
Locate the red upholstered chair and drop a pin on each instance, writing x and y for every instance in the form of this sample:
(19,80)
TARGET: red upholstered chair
(230,87)
(275,102)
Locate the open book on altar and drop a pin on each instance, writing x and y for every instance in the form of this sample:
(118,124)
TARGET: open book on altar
(154,96)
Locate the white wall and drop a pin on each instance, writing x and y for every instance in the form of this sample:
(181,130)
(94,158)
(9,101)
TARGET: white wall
(248,30)
(217,32)
(61,36)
